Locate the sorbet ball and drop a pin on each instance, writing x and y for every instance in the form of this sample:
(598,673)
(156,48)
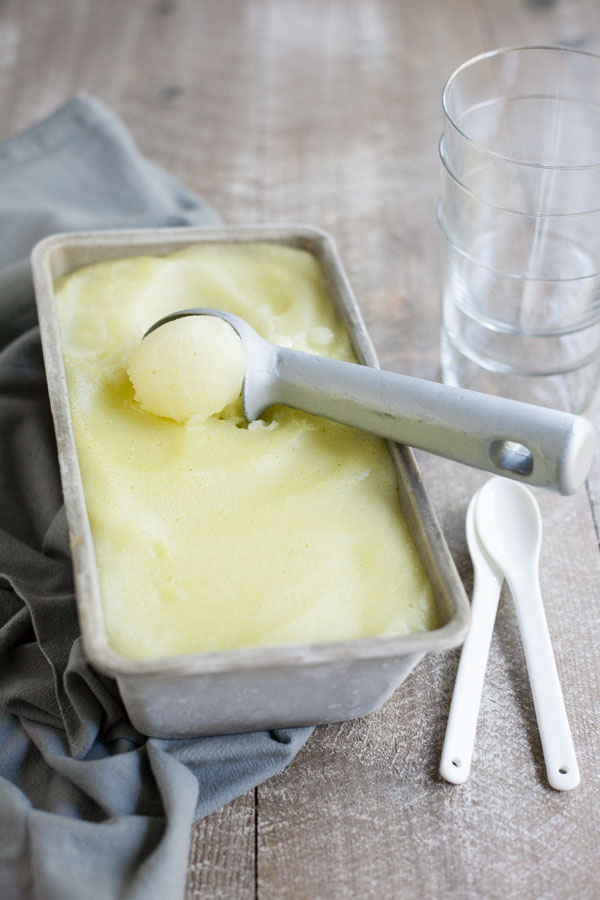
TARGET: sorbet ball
(192,366)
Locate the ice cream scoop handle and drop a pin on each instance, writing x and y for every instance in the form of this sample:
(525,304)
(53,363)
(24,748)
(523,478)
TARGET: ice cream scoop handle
(533,444)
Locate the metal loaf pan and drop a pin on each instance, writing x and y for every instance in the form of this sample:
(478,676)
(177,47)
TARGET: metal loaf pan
(258,687)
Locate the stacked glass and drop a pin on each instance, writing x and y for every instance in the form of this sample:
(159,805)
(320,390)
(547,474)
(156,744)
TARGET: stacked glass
(520,218)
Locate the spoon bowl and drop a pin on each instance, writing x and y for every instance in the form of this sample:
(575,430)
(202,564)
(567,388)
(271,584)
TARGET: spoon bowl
(510,525)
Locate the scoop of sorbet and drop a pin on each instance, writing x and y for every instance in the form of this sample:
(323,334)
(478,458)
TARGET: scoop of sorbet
(193,366)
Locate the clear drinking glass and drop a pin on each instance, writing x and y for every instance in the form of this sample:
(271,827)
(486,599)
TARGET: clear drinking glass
(520,220)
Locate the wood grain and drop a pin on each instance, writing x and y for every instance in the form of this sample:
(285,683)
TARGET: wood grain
(222,860)
(328,111)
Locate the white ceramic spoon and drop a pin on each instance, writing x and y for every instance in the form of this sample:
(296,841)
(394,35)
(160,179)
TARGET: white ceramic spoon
(509,524)
(457,752)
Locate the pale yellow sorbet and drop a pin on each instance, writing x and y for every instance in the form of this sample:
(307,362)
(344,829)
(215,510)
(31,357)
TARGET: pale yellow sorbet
(217,534)
(193,366)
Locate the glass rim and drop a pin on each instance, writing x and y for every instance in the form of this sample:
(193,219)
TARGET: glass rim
(510,369)
(514,275)
(505,209)
(503,51)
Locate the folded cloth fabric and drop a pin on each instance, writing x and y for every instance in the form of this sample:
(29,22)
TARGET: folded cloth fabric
(89,808)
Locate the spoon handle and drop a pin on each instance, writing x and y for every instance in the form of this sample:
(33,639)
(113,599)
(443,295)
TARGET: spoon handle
(457,751)
(532,444)
(555,733)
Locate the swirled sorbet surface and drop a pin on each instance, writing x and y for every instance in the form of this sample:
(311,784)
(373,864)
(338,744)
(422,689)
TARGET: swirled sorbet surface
(212,533)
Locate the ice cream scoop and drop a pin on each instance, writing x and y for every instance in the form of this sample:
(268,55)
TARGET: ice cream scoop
(536,445)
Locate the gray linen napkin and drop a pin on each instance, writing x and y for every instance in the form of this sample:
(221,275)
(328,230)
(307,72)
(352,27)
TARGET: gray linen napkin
(89,808)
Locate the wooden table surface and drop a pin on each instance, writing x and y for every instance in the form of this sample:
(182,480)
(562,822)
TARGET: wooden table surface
(328,112)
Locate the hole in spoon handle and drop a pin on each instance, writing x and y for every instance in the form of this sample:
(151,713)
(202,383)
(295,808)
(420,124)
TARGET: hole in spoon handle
(565,778)
(510,456)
